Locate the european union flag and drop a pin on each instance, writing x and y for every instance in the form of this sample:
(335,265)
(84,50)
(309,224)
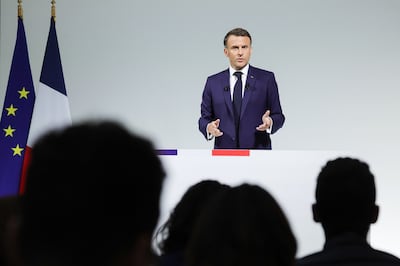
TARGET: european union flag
(16,116)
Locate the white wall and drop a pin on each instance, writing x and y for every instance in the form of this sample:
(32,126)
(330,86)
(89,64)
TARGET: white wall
(337,63)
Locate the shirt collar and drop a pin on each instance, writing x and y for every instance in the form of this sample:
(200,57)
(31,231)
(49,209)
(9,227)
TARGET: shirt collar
(244,70)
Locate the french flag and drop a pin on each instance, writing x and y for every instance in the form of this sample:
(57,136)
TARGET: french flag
(51,109)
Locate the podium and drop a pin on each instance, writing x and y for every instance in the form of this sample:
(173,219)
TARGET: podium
(290,176)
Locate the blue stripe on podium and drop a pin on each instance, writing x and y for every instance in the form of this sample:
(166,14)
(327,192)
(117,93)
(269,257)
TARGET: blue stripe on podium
(167,152)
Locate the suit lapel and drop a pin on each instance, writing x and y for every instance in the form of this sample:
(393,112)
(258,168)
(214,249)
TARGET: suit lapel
(225,86)
(249,89)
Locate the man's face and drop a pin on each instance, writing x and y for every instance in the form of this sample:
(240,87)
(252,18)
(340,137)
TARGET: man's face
(238,50)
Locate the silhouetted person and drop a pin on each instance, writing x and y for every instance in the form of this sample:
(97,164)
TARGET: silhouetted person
(92,197)
(345,206)
(174,234)
(242,226)
(9,212)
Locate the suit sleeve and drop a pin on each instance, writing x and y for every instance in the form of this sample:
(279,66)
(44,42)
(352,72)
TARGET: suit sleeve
(276,114)
(206,111)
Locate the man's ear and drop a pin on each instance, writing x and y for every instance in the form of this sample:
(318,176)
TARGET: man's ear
(375,214)
(315,213)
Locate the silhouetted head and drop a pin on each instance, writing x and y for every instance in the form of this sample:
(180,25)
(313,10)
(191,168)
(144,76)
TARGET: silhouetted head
(345,197)
(242,226)
(177,229)
(92,195)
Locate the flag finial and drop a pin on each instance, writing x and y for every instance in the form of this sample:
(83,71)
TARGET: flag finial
(20,11)
(53,9)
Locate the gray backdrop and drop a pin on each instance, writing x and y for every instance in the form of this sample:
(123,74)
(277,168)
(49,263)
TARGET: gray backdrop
(337,64)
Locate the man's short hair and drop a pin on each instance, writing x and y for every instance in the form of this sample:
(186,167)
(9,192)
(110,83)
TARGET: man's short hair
(237,32)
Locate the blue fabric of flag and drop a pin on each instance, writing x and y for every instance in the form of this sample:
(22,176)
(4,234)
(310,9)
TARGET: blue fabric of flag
(16,116)
(52,73)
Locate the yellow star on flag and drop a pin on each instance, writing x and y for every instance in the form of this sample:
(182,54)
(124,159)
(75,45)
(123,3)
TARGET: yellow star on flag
(23,93)
(17,150)
(9,131)
(11,110)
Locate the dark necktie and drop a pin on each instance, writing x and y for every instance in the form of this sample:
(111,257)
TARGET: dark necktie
(237,102)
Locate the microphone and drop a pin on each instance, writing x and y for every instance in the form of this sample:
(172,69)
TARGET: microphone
(226,88)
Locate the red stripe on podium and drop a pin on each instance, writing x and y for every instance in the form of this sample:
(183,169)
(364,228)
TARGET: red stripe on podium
(224,152)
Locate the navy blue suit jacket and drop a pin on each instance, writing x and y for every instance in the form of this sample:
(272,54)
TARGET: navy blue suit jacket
(261,94)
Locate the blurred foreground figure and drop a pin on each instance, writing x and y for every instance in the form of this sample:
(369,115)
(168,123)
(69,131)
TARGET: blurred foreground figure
(242,226)
(92,197)
(174,234)
(9,215)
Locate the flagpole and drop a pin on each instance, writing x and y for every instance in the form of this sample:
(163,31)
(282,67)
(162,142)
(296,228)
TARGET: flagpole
(53,9)
(20,11)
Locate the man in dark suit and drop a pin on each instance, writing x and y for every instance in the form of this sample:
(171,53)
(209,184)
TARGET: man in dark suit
(245,121)
(345,207)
